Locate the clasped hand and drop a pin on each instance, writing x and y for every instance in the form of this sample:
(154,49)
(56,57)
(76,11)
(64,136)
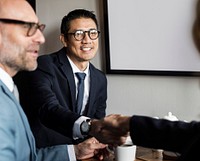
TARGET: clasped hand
(112,129)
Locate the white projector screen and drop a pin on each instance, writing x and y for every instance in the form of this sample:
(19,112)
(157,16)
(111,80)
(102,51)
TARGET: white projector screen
(151,37)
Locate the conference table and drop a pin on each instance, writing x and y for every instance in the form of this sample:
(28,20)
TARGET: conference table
(145,154)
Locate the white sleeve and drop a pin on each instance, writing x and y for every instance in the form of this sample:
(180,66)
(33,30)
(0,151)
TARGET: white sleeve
(71,153)
(76,128)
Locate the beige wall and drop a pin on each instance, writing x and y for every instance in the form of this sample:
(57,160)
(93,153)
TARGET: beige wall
(127,94)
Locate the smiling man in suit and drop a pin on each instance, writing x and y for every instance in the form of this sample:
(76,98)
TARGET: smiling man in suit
(51,95)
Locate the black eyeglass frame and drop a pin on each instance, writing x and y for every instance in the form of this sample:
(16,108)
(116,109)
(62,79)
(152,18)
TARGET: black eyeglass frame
(32,25)
(84,32)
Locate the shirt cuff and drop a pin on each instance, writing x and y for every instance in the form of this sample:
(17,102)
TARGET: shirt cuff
(76,128)
(71,153)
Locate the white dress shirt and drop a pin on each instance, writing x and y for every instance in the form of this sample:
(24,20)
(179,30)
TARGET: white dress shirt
(86,83)
(76,128)
(6,79)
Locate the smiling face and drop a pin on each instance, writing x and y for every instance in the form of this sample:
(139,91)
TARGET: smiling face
(17,50)
(81,52)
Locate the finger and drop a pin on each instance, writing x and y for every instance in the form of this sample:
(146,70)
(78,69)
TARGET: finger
(98,146)
(102,153)
(94,140)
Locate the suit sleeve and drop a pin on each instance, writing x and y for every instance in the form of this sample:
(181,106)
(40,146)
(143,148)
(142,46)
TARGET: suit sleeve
(174,136)
(51,112)
(54,153)
(45,101)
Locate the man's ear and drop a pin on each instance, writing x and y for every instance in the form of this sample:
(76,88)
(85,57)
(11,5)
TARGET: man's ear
(62,39)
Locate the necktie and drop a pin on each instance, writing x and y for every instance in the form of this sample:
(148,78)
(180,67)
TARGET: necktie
(79,100)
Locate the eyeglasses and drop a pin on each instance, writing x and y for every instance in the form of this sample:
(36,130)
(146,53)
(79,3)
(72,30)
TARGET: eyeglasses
(32,27)
(80,34)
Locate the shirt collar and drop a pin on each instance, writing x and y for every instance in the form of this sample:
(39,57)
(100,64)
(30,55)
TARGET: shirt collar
(6,79)
(75,68)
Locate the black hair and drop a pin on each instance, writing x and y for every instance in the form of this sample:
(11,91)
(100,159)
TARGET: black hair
(77,13)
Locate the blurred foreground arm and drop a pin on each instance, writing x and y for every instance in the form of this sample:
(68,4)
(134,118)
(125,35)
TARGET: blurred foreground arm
(113,129)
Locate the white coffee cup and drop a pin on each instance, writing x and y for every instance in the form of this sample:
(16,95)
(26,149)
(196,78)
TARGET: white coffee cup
(125,152)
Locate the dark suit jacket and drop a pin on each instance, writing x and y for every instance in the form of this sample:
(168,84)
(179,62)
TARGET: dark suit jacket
(50,97)
(177,136)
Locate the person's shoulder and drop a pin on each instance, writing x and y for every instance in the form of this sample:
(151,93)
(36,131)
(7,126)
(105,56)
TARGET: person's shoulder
(46,60)
(49,58)
(97,72)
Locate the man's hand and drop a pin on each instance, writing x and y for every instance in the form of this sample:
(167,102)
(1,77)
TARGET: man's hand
(113,129)
(90,148)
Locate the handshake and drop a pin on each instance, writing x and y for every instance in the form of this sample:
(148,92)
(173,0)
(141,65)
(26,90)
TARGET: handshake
(112,129)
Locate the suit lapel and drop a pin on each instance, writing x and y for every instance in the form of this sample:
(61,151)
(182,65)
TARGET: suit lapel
(64,66)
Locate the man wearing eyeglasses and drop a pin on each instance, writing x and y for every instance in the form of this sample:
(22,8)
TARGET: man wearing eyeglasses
(52,95)
(20,39)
